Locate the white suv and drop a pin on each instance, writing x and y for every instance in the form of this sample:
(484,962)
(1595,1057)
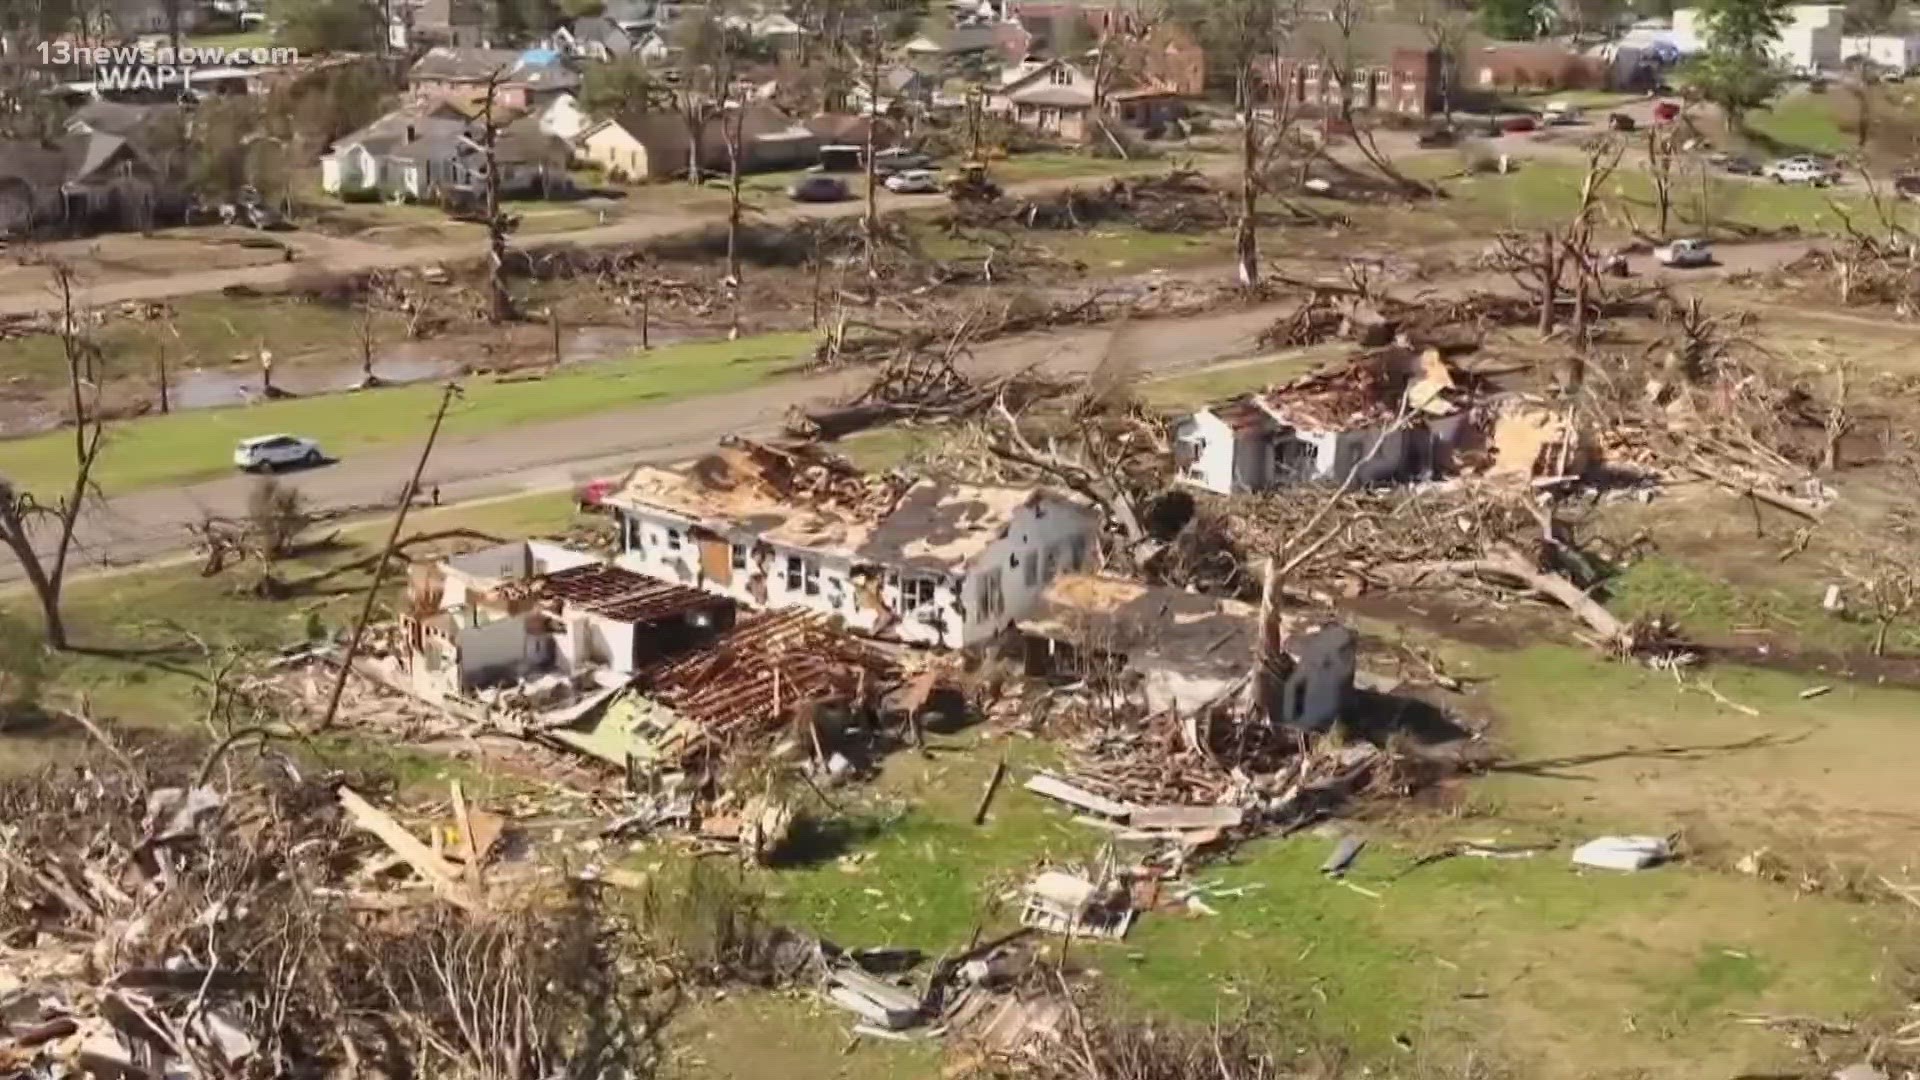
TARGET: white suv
(266,453)
(1801,171)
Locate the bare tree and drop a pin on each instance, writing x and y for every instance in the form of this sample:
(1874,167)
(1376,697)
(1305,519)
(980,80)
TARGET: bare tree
(500,307)
(1247,38)
(1341,57)
(1445,24)
(20,512)
(733,124)
(1888,587)
(1555,262)
(1662,148)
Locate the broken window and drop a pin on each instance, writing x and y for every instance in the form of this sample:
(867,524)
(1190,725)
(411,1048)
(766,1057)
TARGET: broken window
(803,575)
(630,533)
(1186,456)
(739,556)
(1294,461)
(673,539)
(916,593)
(1299,699)
(1079,552)
(993,597)
(1053,564)
(1033,571)
(1061,76)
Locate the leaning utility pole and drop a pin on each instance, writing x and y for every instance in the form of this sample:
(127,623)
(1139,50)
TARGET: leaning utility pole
(386,557)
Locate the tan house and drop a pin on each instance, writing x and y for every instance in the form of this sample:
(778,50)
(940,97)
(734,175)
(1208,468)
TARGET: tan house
(650,146)
(656,146)
(1055,97)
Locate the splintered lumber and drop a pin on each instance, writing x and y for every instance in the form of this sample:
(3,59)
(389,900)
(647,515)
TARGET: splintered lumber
(986,795)
(1186,817)
(437,871)
(877,1002)
(1052,787)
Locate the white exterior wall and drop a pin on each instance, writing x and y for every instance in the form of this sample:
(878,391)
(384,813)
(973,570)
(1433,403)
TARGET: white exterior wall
(1890,51)
(495,651)
(954,618)
(1346,452)
(1042,541)
(1213,467)
(563,118)
(1322,678)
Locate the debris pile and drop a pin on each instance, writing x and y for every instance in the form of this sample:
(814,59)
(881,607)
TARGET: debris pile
(1180,200)
(240,919)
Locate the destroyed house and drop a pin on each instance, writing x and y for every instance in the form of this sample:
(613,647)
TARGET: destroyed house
(1363,420)
(530,611)
(912,560)
(1187,650)
(748,683)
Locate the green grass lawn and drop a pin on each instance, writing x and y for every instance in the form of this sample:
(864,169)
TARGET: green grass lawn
(207,330)
(1527,966)
(1802,122)
(243,39)
(1239,377)
(185,446)
(1540,193)
(148,609)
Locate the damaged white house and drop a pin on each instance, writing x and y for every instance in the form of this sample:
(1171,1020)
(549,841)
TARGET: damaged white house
(1322,428)
(911,560)
(1187,649)
(530,610)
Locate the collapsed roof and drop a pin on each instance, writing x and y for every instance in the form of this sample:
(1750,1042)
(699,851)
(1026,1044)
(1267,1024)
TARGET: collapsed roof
(818,502)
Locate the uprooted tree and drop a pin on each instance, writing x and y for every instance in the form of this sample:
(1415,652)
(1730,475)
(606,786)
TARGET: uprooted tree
(22,515)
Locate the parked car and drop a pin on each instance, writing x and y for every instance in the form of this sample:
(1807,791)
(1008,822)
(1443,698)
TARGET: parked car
(591,495)
(1802,170)
(1433,138)
(1735,164)
(1563,113)
(914,182)
(1907,187)
(1515,125)
(1620,122)
(1683,253)
(819,188)
(899,159)
(265,453)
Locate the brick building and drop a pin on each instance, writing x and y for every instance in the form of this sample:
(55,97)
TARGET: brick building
(1406,82)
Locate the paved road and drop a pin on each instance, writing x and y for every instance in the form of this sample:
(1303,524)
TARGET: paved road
(147,525)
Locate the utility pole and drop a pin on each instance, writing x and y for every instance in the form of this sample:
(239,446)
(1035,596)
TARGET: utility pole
(386,558)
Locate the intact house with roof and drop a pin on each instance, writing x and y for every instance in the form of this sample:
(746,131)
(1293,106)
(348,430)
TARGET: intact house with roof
(413,24)
(531,611)
(657,145)
(915,561)
(91,178)
(524,80)
(1184,651)
(435,151)
(1374,420)
(1056,97)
